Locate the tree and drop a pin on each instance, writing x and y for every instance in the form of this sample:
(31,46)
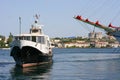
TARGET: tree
(2,41)
(2,44)
(10,39)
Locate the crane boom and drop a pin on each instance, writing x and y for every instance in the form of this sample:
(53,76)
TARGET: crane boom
(96,24)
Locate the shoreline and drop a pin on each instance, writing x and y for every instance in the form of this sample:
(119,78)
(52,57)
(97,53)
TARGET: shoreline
(4,48)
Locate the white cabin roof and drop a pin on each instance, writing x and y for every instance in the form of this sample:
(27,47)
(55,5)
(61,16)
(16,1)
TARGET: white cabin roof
(33,34)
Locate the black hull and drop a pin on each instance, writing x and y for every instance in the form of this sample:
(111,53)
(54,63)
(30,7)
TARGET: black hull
(28,56)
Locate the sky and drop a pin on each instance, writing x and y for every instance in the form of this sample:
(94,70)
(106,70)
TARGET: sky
(57,16)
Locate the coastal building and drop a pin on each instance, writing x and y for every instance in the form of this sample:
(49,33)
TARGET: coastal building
(91,35)
(0,39)
(6,42)
(77,44)
(111,37)
(115,44)
(101,44)
(96,35)
(94,39)
(56,43)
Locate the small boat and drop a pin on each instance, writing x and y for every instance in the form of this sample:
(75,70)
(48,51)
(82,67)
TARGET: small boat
(32,48)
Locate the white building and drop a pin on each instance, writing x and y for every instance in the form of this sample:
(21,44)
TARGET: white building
(0,39)
(101,44)
(81,45)
(97,35)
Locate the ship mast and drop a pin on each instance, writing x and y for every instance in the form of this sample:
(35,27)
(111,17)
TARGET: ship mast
(19,25)
(36,18)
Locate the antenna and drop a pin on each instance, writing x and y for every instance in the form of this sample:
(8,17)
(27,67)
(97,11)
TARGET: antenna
(37,17)
(19,25)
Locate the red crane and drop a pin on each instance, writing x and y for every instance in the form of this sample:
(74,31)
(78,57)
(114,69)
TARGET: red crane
(97,24)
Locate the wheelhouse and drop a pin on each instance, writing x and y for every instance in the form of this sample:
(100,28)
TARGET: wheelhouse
(39,39)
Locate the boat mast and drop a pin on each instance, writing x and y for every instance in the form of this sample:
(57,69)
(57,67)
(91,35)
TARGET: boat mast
(19,25)
(37,18)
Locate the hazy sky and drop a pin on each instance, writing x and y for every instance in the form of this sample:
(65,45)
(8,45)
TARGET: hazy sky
(57,15)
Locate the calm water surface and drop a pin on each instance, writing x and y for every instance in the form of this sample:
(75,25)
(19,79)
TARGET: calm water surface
(68,64)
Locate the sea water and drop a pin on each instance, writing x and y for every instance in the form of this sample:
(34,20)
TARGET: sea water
(68,64)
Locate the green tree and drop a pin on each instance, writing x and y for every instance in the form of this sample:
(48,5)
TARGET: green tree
(10,39)
(2,44)
(2,41)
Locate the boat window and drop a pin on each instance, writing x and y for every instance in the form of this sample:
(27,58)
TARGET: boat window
(34,38)
(21,38)
(26,37)
(34,31)
(41,39)
(17,38)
